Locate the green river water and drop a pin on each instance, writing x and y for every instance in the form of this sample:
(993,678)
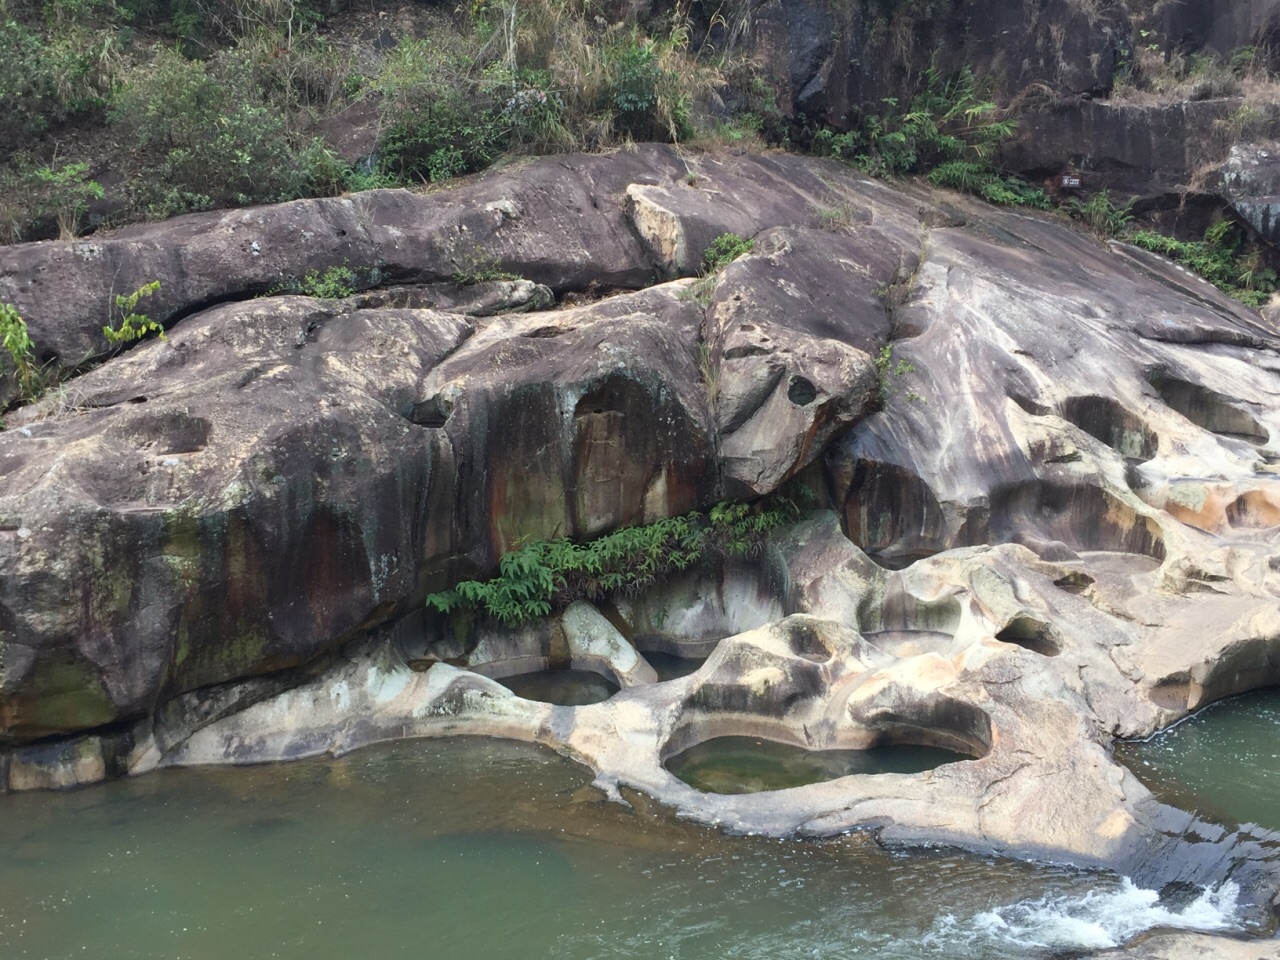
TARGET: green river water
(475,849)
(1223,763)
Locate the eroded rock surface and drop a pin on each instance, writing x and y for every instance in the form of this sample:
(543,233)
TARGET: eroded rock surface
(1056,514)
(284,473)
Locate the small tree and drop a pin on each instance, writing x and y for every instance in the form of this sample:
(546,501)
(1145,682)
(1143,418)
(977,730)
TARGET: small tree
(17,341)
(66,193)
(131,325)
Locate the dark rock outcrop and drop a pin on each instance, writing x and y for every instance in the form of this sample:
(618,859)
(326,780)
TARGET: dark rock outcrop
(284,473)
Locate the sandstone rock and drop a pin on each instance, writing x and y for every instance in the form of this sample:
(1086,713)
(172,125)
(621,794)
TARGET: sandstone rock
(1193,946)
(1223,28)
(1133,150)
(815,54)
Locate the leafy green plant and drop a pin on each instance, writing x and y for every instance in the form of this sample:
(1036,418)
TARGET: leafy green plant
(438,122)
(129,325)
(475,267)
(725,249)
(635,87)
(31,198)
(17,342)
(67,192)
(984,180)
(949,119)
(45,79)
(950,133)
(1220,258)
(336,283)
(1101,214)
(889,371)
(548,575)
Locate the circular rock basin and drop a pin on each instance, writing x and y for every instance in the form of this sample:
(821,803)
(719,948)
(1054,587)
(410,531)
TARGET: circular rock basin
(564,688)
(670,667)
(751,765)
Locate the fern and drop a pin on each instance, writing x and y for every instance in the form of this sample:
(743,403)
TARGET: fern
(550,574)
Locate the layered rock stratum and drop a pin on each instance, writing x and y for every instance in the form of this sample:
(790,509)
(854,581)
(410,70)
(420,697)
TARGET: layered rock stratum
(1048,517)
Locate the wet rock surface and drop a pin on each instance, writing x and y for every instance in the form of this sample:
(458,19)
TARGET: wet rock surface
(1054,517)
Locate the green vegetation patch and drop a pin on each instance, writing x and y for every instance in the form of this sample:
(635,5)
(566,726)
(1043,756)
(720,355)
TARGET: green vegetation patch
(551,574)
(949,133)
(1221,257)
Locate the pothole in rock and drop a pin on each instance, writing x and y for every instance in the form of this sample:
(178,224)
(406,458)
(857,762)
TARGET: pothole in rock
(898,561)
(1031,634)
(892,514)
(1105,420)
(564,688)
(1208,409)
(1222,762)
(1086,518)
(670,666)
(733,765)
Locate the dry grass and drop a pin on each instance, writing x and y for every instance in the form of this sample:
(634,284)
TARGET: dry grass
(1156,77)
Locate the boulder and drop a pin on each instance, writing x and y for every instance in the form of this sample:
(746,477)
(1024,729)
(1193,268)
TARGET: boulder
(1136,151)
(284,473)
(1250,180)
(816,54)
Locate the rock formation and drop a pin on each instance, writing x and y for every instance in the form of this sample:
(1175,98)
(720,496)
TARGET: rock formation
(1049,468)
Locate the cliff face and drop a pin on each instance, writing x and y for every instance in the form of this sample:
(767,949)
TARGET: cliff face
(1121,96)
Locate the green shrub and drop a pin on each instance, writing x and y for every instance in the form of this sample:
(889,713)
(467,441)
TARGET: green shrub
(632,94)
(66,194)
(37,196)
(534,113)
(45,80)
(128,325)
(328,175)
(204,138)
(725,249)
(552,574)
(1220,258)
(1100,213)
(981,178)
(17,342)
(439,123)
(949,119)
(889,372)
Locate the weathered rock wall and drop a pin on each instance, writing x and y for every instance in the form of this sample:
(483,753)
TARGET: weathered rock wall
(284,473)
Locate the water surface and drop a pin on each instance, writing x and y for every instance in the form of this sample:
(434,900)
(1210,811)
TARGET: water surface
(668,666)
(566,688)
(476,849)
(750,765)
(1223,762)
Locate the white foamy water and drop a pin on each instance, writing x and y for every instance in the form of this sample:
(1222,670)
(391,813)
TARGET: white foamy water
(1097,920)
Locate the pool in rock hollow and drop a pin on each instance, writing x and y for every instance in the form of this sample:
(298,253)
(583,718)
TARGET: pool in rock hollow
(749,765)
(1223,762)
(478,849)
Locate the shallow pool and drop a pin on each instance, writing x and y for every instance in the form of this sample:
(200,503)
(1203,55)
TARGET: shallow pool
(565,688)
(1223,762)
(474,849)
(750,765)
